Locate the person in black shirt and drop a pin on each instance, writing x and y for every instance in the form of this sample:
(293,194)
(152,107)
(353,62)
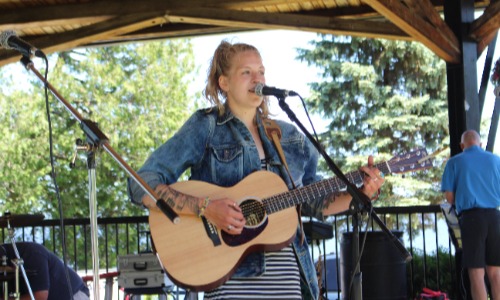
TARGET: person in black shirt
(46,274)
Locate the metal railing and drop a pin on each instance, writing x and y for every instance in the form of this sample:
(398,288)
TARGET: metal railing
(424,232)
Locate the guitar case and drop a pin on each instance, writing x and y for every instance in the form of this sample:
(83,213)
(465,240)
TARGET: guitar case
(141,271)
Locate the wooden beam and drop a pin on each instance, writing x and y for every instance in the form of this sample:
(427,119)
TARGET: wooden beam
(486,26)
(415,26)
(246,5)
(485,42)
(9,24)
(165,31)
(258,20)
(429,14)
(95,11)
(427,10)
(46,15)
(75,38)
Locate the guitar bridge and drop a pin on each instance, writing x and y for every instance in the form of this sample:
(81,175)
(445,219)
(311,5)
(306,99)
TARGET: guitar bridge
(211,232)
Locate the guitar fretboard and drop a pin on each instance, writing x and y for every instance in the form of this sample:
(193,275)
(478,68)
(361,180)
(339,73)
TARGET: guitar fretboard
(316,190)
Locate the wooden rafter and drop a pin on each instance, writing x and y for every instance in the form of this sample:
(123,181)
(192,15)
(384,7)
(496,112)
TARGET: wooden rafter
(60,25)
(428,11)
(75,38)
(258,20)
(30,17)
(417,27)
(484,28)
(57,14)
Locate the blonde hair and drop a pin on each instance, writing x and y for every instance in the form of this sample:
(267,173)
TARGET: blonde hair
(220,64)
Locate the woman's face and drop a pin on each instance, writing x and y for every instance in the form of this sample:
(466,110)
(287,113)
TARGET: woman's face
(246,71)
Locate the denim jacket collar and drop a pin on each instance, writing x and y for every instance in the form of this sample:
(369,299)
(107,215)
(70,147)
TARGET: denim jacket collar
(226,117)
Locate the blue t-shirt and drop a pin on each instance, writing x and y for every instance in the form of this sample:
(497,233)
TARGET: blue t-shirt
(45,271)
(474,178)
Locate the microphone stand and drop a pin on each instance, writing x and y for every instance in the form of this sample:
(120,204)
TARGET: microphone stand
(96,139)
(18,263)
(358,203)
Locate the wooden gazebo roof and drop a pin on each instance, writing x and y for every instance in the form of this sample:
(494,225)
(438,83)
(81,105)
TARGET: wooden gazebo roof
(58,25)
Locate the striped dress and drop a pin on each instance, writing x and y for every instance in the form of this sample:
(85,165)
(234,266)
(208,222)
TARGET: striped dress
(281,279)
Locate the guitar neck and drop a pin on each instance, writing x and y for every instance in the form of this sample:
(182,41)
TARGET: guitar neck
(316,190)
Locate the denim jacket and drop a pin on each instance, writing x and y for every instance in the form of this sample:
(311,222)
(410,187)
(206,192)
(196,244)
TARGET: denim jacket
(221,151)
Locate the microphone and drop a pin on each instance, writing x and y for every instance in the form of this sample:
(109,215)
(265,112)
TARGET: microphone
(10,40)
(263,90)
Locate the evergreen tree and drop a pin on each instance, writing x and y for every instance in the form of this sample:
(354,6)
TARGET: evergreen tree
(383,98)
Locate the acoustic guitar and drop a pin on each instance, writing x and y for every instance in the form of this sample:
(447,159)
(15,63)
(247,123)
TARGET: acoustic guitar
(198,256)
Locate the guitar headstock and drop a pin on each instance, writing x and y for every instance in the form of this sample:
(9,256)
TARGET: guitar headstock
(410,161)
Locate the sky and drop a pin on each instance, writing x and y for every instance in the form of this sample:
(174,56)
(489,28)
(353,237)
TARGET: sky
(278,51)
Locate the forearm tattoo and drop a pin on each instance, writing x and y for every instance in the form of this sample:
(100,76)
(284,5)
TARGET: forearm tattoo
(178,200)
(331,198)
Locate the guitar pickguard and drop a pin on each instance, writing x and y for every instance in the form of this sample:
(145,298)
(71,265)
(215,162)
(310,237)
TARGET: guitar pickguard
(256,222)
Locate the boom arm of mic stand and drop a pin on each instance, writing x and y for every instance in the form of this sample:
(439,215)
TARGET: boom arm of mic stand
(98,138)
(361,200)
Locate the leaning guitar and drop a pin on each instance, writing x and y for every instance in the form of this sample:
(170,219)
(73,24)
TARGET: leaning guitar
(198,256)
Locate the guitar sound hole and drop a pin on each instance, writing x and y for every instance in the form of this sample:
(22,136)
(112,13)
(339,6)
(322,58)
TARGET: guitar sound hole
(253,211)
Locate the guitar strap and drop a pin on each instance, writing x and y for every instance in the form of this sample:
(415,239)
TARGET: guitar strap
(273,132)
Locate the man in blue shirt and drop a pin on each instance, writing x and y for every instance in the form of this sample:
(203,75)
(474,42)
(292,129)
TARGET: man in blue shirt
(471,182)
(46,274)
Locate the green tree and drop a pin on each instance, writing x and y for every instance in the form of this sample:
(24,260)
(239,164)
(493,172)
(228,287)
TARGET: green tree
(381,97)
(136,93)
